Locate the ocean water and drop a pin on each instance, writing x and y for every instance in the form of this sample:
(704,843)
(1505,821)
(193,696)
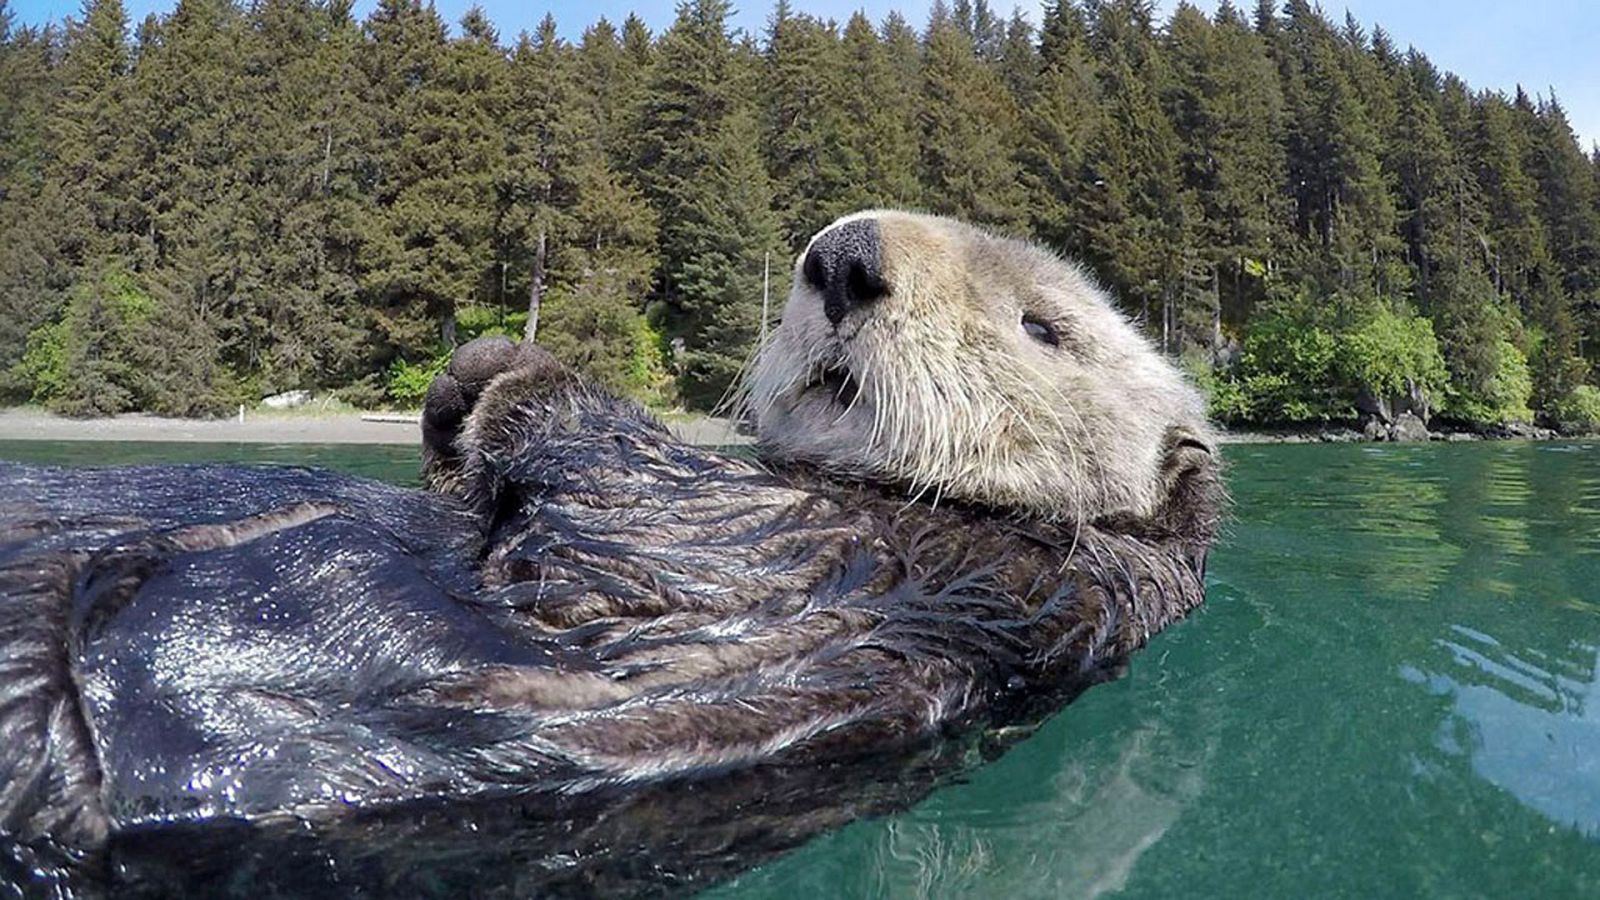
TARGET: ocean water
(1393,691)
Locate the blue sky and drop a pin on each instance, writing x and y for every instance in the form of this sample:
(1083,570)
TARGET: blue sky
(1544,45)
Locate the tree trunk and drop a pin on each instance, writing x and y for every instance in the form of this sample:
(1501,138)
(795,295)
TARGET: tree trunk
(535,290)
(1216,311)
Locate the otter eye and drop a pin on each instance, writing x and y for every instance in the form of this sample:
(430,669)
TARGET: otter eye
(1041,331)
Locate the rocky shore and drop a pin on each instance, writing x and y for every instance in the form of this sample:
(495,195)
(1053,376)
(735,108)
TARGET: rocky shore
(1405,429)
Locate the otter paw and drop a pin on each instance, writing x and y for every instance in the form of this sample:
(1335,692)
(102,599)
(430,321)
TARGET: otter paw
(454,394)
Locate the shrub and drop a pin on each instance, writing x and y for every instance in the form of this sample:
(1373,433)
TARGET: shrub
(92,360)
(1390,353)
(408,382)
(1288,372)
(481,321)
(42,371)
(1226,400)
(1505,394)
(1579,411)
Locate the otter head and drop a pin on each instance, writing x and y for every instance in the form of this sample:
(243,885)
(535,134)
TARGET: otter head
(925,352)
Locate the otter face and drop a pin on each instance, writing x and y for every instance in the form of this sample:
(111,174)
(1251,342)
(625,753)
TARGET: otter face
(923,351)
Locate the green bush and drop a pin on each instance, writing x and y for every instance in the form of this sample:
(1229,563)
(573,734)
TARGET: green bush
(42,371)
(95,359)
(1226,400)
(408,382)
(1288,372)
(1390,353)
(1579,411)
(1504,396)
(481,321)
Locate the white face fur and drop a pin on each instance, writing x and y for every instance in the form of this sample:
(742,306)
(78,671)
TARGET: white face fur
(983,369)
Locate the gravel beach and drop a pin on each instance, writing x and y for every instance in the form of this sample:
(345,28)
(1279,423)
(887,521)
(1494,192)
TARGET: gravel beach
(267,428)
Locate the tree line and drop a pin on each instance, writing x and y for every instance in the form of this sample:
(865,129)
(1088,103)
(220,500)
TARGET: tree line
(238,199)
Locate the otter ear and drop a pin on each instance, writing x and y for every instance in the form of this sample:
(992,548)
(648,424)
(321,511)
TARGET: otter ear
(1191,477)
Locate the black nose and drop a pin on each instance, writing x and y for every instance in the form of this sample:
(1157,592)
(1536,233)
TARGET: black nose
(845,266)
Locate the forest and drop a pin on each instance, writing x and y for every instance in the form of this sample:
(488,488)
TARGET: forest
(237,199)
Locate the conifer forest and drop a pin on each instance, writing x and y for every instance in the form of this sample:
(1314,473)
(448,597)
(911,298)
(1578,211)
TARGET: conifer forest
(238,199)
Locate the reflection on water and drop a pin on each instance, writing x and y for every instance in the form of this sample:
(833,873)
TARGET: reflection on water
(1392,692)
(1526,728)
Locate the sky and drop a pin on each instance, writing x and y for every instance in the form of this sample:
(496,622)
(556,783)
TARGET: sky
(1543,45)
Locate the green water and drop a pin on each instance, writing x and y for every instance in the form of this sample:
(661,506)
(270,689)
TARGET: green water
(1394,691)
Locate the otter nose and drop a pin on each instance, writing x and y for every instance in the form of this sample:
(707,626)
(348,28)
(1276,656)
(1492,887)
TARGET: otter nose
(845,266)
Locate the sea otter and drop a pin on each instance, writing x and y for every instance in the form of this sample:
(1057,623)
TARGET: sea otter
(594,659)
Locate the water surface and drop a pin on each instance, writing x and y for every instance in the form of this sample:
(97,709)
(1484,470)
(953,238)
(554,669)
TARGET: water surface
(1393,691)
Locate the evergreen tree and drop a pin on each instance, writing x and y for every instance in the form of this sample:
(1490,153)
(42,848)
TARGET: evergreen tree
(1018,63)
(1139,217)
(604,258)
(1063,119)
(194,240)
(535,187)
(803,98)
(250,198)
(1226,106)
(968,122)
(310,134)
(1569,209)
(878,114)
(703,174)
(33,275)
(1343,204)
(1516,245)
(425,248)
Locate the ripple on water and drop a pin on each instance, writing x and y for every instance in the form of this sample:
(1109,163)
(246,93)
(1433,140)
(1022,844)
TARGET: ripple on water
(1392,691)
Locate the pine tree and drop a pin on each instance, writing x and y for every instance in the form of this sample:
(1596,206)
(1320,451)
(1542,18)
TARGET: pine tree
(33,275)
(1063,119)
(803,98)
(91,154)
(310,134)
(1567,212)
(904,53)
(1226,107)
(878,133)
(1139,217)
(535,187)
(255,197)
(1018,62)
(968,122)
(611,65)
(604,258)
(1442,223)
(428,249)
(1344,206)
(703,174)
(194,244)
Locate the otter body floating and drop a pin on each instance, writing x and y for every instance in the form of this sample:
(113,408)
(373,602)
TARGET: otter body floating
(594,660)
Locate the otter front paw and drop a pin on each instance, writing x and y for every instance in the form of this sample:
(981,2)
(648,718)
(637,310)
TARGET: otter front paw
(453,397)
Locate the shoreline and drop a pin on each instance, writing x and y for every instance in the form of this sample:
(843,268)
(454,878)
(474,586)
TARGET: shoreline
(30,424)
(403,429)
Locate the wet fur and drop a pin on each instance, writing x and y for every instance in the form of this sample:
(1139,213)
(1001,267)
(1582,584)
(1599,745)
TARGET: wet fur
(595,661)
(605,609)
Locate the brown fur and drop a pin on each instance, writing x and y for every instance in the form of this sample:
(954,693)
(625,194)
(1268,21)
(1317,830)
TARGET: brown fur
(634,661)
